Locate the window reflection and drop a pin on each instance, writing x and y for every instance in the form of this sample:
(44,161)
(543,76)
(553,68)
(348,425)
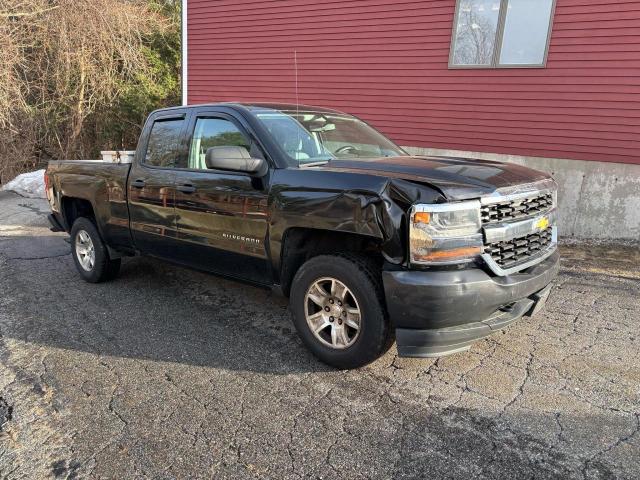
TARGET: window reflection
(163,140)
(476,32)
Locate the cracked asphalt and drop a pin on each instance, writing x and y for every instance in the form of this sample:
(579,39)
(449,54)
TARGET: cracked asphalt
(170,373)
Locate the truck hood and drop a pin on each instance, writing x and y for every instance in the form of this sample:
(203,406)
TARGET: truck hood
(455,178)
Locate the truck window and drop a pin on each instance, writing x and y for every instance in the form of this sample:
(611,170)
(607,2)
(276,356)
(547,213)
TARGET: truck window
(163,143)
(213,132)
(308,136)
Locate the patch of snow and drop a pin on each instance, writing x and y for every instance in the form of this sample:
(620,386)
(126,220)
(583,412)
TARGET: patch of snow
(29,185)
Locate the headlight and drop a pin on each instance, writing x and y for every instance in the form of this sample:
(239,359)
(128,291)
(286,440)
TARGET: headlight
(445,234)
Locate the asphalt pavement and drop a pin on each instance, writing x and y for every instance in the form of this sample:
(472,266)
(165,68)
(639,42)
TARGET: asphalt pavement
(170,373)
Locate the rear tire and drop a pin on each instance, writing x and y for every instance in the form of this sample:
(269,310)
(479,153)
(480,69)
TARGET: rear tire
(354,283)
(90,254)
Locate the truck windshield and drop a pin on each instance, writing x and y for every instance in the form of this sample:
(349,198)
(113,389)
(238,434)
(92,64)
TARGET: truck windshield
(309,137)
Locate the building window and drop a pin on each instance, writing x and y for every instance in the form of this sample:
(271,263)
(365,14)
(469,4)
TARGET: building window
(501,33)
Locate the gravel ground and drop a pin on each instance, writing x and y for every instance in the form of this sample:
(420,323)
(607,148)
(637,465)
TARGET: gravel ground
(169,373)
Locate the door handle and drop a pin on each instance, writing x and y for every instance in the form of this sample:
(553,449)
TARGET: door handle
(138,183)
(186,188)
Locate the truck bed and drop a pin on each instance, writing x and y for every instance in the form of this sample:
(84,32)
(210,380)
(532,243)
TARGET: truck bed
(102,184)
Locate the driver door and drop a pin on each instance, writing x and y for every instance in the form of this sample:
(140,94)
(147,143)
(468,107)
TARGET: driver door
(221,216)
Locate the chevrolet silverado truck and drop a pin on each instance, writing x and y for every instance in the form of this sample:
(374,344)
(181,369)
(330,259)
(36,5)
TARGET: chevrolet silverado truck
(369,243)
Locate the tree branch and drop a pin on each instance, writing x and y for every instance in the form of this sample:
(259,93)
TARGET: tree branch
(26,14)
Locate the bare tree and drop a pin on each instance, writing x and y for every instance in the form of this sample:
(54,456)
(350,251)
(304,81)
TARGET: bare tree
(15,133)
(60,61)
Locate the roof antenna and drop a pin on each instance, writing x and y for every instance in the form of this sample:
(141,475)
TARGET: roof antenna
(295,61)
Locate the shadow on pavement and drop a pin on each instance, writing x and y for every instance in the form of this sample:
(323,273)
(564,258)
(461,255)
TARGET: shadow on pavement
(153,311)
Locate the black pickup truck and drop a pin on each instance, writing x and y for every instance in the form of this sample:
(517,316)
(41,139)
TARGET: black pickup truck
(368,242)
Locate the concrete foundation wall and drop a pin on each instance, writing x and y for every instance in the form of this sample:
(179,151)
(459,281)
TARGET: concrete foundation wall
(598,200)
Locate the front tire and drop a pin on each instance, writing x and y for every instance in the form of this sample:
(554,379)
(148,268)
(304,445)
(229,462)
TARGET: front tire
(90,254)
(337,304)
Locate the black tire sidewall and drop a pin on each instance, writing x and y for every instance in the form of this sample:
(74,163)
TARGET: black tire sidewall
(374,329)
(100,270)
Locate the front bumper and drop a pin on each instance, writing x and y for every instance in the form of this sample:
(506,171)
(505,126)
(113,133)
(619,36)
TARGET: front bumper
(437,313)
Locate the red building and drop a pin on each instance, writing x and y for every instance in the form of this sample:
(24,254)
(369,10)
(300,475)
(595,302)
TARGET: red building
(532,79)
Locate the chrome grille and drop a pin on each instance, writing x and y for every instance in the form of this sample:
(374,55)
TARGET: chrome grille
(510,253)
(516,209)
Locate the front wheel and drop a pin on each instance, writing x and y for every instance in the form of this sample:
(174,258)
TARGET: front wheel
(338,310)
(90,254)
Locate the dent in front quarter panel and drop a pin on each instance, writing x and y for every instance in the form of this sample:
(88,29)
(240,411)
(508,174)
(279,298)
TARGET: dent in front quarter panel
(369,205)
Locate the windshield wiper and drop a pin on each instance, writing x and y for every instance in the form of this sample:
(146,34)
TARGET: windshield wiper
(313,164)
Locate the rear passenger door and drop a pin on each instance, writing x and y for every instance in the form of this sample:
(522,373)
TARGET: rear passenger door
(221,216)
(151,185)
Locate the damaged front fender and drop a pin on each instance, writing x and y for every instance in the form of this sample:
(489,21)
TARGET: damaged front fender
(354,203)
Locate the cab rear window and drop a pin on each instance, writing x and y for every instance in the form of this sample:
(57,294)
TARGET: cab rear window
(162,149)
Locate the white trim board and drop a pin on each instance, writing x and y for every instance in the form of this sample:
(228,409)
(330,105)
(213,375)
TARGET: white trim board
(184,82)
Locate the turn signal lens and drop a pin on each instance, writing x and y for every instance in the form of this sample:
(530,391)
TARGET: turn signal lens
(47,184)
(421,217)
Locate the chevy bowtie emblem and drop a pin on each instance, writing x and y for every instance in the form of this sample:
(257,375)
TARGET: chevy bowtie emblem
(543,223)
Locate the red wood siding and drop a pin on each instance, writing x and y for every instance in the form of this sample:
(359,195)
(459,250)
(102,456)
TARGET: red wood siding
(387,62)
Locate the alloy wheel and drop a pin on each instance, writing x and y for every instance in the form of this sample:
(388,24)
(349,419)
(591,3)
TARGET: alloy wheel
(85,251)
(332,313)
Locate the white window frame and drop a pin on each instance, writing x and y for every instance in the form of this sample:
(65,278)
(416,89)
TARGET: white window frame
(184,60)
(497,46)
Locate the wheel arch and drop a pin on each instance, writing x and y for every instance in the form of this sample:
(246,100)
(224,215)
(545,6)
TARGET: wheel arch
(73,207)
(300,244)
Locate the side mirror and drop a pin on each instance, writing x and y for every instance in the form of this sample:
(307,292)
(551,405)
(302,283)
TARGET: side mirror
(236,159)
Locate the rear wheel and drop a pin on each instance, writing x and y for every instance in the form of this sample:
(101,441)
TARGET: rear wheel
(338,310)
(90,254)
